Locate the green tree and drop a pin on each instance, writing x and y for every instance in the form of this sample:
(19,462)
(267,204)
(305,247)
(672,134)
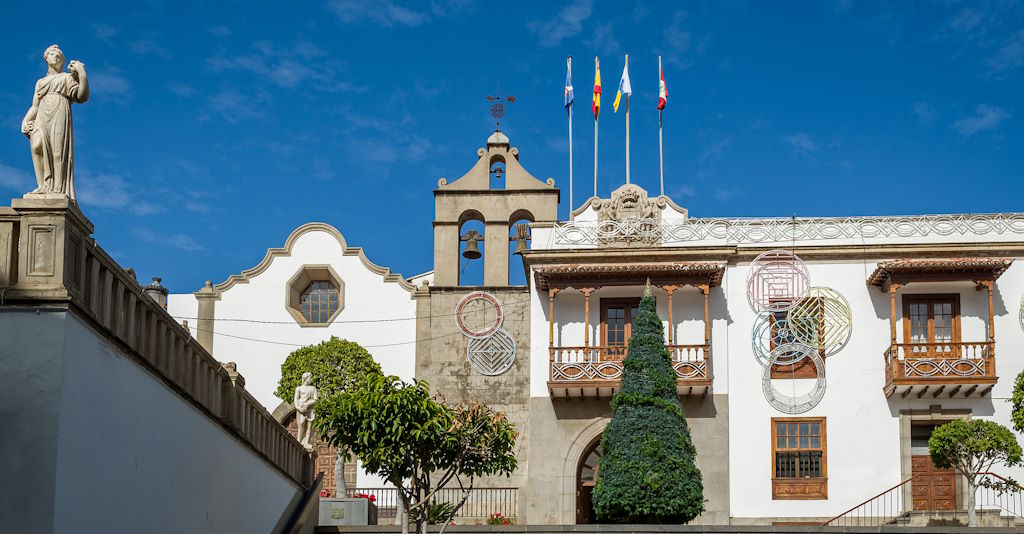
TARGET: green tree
(972,448)
(1017,401)
(417,442)
(337,366)
(647,472)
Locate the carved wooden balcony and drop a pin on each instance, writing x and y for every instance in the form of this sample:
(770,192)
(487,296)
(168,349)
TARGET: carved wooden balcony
(950,370)
(596,371)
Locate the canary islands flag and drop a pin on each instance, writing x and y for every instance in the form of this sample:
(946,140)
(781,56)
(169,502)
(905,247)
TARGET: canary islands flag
(597,88)
(624,88)
(568,86)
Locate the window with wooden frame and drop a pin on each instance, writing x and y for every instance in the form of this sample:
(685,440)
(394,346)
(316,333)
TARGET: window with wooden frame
(932,322)
(799,458)
(805,367)
(617,318)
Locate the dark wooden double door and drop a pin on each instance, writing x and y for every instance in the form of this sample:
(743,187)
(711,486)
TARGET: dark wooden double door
(931,488)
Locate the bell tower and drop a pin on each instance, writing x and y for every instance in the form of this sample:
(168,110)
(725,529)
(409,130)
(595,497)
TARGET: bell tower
(497,191)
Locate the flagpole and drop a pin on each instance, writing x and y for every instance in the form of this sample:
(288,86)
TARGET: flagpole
(571,205)
(596,66)
(627,125)
(661,152)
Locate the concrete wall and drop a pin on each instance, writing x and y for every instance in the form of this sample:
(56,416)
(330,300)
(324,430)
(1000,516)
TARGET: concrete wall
(96,442)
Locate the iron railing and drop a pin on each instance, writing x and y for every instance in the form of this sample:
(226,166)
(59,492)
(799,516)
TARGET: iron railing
(893,504)
(481,503)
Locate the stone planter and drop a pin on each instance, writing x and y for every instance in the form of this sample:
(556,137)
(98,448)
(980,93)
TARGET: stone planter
(339,512)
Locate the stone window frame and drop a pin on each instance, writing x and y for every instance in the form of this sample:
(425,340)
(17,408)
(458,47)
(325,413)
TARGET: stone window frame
(300,281)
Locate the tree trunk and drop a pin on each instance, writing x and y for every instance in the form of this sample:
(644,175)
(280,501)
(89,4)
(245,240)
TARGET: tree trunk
(340,488)
(972,515)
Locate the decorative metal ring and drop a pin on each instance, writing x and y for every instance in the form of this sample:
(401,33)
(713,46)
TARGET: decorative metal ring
(769,332)
(493,355)
(794,404)
(821,319)
(777,279)
(461,306)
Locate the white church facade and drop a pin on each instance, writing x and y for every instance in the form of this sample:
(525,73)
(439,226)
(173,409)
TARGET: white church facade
(813,356)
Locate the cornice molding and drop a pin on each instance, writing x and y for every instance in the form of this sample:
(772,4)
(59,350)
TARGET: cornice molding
(286,250)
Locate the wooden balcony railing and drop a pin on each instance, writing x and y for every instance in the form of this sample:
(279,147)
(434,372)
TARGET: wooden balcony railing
(597,370)
(962,368)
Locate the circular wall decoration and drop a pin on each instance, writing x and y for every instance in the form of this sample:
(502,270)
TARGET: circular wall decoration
(777,279)
(791,404)
(493,355)
(484,331)
(1022,313)
(769,332)
(821,320)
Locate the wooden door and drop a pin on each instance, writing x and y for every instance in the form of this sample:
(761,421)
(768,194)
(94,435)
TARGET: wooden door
(586,476)
(932,488)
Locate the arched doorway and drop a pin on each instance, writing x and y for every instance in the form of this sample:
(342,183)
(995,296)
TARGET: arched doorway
(586,475)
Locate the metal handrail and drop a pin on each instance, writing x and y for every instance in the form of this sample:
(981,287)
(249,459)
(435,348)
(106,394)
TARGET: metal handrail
(868,501)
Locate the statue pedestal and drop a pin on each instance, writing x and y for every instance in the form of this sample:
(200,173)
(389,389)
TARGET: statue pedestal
(50,233)
(347,511)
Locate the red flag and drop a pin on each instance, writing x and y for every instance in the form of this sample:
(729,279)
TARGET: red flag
(662,91)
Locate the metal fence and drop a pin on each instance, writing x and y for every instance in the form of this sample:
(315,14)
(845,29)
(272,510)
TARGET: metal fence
(481,503)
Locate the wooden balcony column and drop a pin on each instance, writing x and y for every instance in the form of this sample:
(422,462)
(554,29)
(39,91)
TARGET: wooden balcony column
(706,289)
(670,288)
(586,314)
(551,316)
(892,314)
(990,285)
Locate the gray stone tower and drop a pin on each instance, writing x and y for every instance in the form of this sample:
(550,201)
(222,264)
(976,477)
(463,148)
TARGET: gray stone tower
(472,197)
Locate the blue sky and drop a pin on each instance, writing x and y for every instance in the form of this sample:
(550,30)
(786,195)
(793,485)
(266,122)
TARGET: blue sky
(215,128)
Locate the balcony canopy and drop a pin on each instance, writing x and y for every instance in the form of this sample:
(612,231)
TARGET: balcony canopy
(937,270)
(628,274)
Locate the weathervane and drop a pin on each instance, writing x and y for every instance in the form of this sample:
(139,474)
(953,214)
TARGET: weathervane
(497,108)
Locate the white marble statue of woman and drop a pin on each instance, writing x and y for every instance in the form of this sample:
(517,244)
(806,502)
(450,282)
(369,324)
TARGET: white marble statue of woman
(305,398)
(47,124)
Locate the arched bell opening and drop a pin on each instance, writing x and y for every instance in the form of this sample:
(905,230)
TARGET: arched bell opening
(586,476)
(497,173)
(471,248)
(519,241)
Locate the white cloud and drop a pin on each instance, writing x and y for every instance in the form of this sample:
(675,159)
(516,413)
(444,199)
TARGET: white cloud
(1009,56)
(104,32)
(183,90)
(108,84)
(567,23)
(287,67)
(383,13)
(233,106)
(11,178)
(985,118)
(148,47)
(926,113)
(110,192)
(713,150)
(179,241)
(676,42)
(604,40)
(802,143)
(219,30)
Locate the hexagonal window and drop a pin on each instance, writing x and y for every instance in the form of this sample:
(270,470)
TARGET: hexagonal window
(315,295)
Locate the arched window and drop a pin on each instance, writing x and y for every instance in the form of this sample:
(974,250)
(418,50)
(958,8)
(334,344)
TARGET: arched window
(319,301)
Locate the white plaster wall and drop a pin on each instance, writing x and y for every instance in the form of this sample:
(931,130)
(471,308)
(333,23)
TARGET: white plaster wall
(862,425)
(133,456)
(378,315)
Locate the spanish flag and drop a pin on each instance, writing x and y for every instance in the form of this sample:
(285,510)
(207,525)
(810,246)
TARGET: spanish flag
(597,88)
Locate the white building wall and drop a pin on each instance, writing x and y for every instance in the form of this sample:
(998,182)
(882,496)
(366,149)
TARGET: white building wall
(134,456)
(377,314)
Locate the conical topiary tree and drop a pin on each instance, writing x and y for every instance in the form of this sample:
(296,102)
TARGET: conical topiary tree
(647,472)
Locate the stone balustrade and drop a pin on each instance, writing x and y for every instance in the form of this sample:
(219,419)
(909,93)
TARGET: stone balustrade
(48,259)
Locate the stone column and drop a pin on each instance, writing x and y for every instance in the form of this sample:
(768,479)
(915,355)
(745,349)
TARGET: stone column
(446,254)
(207,298)
(496,254)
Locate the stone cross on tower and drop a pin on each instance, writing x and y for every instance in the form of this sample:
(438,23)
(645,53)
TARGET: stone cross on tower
(497,108)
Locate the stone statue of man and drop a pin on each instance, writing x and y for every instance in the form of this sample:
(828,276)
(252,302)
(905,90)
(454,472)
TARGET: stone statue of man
(305,398)
(47,124)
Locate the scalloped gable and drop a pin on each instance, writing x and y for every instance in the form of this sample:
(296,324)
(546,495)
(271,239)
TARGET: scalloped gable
(289,244)
(479,176)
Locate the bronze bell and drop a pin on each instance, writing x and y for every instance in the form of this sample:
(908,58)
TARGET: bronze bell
(472,251)
(522,236)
